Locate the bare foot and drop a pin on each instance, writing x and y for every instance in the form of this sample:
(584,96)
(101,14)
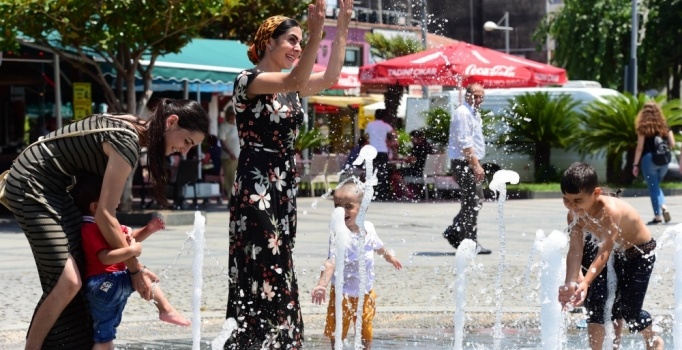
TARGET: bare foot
(174,317)
(657,343)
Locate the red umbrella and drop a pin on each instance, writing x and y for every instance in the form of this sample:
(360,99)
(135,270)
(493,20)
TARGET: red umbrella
(461,64)
(347,80)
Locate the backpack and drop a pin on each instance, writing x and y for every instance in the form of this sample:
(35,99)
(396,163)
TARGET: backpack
(660,155)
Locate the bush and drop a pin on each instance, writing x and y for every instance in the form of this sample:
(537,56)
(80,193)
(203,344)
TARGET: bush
(438,127)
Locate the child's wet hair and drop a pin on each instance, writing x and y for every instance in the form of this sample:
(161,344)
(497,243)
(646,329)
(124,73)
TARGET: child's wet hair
(579,177)
(86,191)
(352,187)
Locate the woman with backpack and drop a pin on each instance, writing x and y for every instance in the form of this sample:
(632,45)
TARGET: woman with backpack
(654,144)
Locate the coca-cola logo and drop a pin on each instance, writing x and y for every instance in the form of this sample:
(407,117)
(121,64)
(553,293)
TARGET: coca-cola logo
(407,72)
(494,71)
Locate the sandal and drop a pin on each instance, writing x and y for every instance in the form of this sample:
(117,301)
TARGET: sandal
(654,222)
(666,215)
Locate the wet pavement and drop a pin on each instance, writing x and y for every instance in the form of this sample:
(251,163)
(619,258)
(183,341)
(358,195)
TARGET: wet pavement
(419,298)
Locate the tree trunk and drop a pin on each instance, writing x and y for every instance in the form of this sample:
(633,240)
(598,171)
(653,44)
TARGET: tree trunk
(674,91)
(541,160)
(126,205)
(146,95)
(626,177)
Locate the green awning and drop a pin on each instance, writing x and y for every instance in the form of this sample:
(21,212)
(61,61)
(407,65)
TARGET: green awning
(203,61)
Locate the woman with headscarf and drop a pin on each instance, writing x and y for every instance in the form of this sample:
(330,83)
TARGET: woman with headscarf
(263,293)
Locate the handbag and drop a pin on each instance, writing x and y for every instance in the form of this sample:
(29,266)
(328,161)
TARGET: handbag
(5,174)
(3,182)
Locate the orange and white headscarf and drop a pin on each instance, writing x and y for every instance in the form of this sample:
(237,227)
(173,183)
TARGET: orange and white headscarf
(263,35)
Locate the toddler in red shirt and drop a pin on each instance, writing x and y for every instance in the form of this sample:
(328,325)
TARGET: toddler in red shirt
(107,281)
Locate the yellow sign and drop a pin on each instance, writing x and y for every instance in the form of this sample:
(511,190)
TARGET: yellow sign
(363,119)
(82,100)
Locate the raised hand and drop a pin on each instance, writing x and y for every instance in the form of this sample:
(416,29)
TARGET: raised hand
(316,15)
(156,224)
(345,12)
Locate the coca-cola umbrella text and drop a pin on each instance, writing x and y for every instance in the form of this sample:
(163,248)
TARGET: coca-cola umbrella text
(461,64)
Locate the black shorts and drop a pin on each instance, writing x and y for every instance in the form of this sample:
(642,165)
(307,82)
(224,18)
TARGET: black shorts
(633,269)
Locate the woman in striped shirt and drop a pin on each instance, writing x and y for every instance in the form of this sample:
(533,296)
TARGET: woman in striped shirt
(37,194)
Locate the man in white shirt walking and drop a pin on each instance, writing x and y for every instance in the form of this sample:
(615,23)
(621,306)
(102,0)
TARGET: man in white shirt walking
(378,132)
(466,149)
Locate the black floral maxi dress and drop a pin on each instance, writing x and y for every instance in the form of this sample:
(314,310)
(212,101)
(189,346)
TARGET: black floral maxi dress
(263,292)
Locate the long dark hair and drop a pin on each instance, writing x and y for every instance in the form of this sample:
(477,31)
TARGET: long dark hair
(191,116)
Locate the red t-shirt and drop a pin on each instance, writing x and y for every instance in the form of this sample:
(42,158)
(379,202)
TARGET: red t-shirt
(93,243)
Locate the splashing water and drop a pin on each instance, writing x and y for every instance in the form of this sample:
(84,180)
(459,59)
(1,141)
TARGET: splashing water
(229,326)
(463,259)
(676,233)
(499,184)
(340,239)
(612,285)
(551,275)
(367,154)
(197,235)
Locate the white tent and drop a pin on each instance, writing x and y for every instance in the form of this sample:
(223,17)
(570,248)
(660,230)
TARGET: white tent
(372,108)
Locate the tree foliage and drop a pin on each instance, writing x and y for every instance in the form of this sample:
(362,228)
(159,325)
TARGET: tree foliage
(397,46)
(387,48)
(609,126)
(661,53)
(244,26)
(593,41)
(438,127)
(537,123)
(120,32)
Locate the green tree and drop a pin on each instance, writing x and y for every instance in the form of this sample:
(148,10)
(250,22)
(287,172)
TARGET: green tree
(389,48)
(538,122)
(438,127)
(593,41)
(661,64)
(609,127)
(120,32)
(244,26)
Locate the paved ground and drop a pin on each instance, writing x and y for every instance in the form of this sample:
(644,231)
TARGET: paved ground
(418,297)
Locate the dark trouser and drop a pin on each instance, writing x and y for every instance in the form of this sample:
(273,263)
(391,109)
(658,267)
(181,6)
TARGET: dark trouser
(383,188)
(464,224)
(632,272)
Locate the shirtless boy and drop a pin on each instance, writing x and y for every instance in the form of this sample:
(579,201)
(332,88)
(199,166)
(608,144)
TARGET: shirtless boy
(616,229)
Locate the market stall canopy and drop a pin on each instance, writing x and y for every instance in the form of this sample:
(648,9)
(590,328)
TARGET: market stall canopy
(461,64)
(345,101)
(208,65)
(347,80)
(371,109)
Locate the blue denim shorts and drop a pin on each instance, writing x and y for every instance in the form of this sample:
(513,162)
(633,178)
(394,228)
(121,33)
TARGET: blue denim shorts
(107,295)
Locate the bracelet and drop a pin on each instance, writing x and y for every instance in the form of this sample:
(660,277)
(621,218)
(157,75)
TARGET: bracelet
(138,271)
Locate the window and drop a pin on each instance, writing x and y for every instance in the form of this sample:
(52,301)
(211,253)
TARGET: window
(353,56)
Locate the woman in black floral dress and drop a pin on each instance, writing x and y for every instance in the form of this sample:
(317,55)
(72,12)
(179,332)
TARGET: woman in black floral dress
(263,292)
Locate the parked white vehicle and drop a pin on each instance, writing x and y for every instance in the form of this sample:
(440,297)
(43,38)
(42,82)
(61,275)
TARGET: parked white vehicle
(497,101)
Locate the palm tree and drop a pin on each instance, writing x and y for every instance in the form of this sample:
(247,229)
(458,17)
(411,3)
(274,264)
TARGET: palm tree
(385,48)
(537,123)
(609,126)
